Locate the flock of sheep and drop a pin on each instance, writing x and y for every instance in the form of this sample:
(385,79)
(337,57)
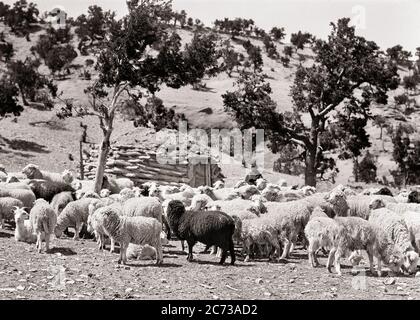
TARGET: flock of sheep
(266,219)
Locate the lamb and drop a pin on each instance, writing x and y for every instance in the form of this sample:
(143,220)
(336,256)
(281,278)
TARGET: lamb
(355,233)
(220,194)
(321,232)
(43,220)
(401,208)
(200,202)
(32,171)
(48,189)
(74,215)
(396,230)
(26,196)
(61,200)
(258,231)
(116,185)
(136,230)
(7,206)
(412,220)
(213,228)
(361,206)
(24,231)
(95,224)
(218,185)
(146,252)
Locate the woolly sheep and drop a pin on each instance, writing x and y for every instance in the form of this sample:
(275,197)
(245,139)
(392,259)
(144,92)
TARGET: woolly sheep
(146,252)
(61,200)
(95,224)
(136,230)
(184,196)
(321,232)
(412,220)
(199,202)
(26,196)
(400,208)
(355,233)
(24,231)
(220,194)
(243,209)
(105,193)
(7,207)
(246,192)
(43,220)
(218,185)
(48,189)
(32,171)
(74,215)
(361,205)
(213,228)
(16,185)
(261,184)
(396,230)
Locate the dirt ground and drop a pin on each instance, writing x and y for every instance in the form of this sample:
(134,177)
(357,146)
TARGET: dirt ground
(77,270)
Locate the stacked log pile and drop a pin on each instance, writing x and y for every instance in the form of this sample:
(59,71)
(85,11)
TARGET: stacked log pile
(141,165)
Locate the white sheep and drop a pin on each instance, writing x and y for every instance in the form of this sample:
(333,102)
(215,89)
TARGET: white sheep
(26,196)
(218,185)
(184,196)
(43,220)
(136,230)
(261,184)
(240,184)
(144,207)
(361,205)
(412,220)
(32,171)
(146,252)
(355,233)
(24,231)
(61,200)
(7,207)
(400,208)
(396,230)
(199,202)
(74,215)
(220,194)
(117,184)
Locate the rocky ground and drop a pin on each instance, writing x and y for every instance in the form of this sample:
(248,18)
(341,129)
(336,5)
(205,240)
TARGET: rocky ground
(77,270)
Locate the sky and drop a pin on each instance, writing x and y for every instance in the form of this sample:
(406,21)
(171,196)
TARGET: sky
(387,22)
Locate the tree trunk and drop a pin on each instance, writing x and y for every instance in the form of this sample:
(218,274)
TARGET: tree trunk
(310,167)
(82,171)
(103,154)
(356,169)
(24,101)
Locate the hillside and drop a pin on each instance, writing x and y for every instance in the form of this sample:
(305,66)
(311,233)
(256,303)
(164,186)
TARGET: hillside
(40,137)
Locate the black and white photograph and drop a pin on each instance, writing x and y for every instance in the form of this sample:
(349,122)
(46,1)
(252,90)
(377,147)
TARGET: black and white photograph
(218,151)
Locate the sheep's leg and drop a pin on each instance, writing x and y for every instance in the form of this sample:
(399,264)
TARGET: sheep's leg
(190,251)
(159,253)
(214,250)
(39,241)
(285,250)
(312,249)
(123,257)
(232,252)
(2,223)
(337,262)
(47,242)
(219,252)
(330,259)
(224,255)
(379,266)
(76,231)
(370,256)
(183,245)
(112,250)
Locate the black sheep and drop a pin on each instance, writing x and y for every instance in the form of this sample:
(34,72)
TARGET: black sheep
(213,228)
(48,189)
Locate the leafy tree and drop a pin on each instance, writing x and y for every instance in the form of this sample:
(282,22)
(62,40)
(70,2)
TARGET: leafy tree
(366,171)
(407,156)
(9,103)
(270,48)
(92,28)
(6,48)
(231,58)
(27,78)
(381,122)
(288,51)
(300,39)
(410,83)
(4,9)
(60,35)
(254,55)
(127,64)
(190,22)
(278,34)
(400,56)
(21,16)
(59,58)
(348,74)
(285,61)
(201,57)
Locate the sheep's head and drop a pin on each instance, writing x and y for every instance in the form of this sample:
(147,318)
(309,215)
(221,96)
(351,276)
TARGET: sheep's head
(20,214)
(174,212)
(308,190)
(11,179)
(339,201)
(218,185)
(395,261)
(213,207)
(411,259)
(377,203)
(67,176)
(79,194)
(89,222)
(261,184)
(355,258)
(240,183)
(92,195)
(76,184)
(154,191)
(58,232)
(105,193)
(31,171)
(137,192)
(413,197)
(248,191)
